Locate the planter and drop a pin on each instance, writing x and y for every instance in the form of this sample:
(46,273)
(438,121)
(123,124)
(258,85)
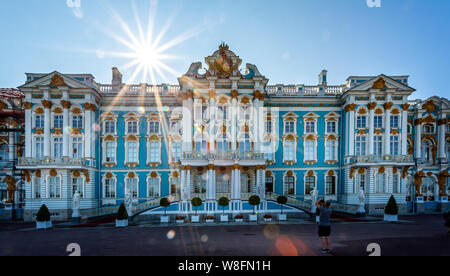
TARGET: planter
(165,219)
(44,224)
(195,219)
(253,218)
(282,217)
(390,218)
(239,220)
(122,223)
(180,221)
(420,199)
(318,219)
(267,220)
(223,218)
(444,199)
(209,221)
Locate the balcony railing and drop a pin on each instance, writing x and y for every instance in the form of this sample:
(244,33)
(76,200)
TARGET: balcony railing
(50,161)
(304,90)
(384,159)
(224,156)
(144,89)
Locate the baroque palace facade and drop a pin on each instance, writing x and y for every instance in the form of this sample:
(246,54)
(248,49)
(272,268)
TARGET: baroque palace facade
(226,132)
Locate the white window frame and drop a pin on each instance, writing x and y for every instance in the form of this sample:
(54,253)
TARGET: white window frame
(114,185)
(158,184)
(136,178)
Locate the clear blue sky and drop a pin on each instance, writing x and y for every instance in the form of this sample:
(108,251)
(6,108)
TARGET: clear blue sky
(289,41)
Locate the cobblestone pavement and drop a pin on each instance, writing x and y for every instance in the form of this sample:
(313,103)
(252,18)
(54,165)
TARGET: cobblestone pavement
(415,235)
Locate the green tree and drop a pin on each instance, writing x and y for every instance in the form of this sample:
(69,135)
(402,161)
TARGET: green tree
(223,202)
(164,202)
(196,202)
(254,201)
(282,200)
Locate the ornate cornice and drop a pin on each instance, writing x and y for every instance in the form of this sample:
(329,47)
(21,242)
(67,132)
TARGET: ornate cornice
(388,105)
(350,107)
(405,107)
(379,84)
(27,105)
(47,104)
(90,107)
(443,121)
(234,94)
(212,94)
(371,106)
(57,80)
(429,106)
(66,104)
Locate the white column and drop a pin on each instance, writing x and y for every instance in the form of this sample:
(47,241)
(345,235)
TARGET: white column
(212,115)
(234,125)
(66,131)
(28,137)
(256,131)
(351,129)
(371,131)
(187,122)
(88,131)
(442,143)
(404,132)
(387,132)
(12,148)
(418,138)
(47,143)
(188,183)
(183,189)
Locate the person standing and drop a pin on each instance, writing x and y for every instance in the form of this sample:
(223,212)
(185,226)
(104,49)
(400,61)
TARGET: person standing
(447,221)
(325,225)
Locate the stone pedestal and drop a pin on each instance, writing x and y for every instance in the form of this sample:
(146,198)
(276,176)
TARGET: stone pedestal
(76,216)
(361,210)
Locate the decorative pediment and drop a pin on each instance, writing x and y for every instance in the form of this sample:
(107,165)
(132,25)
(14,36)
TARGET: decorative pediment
(382,82)
(223,63)
(55,80)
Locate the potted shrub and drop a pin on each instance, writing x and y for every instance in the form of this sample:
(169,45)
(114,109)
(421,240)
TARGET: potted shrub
(239,218)
(282,200)
(122,217)
(391,210)
(210,219)
(196,202)
(254,201)
(224,202)
(164,203)
(267,218)
(179,219)
(43,218)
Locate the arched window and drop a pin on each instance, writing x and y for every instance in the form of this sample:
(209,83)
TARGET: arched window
(427,189)
(395,145)
(360,145)
(223,184)
(378,145)
(54,187)
(330,185)
(289,185)
(331,150)
(245,144)
(131,186)
(223,146)
(246,186)
(380,183)
(427,151)
(200,183)
(4,152)
(109,189)
(77,186)
(310,150)
(289,150)
(153,187)
(428,129)
(310,184)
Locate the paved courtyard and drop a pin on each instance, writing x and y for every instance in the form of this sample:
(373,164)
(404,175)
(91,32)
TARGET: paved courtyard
(415,235)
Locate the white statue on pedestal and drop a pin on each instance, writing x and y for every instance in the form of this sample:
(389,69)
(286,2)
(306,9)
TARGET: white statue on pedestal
(261,191)
(129,203)
(76,205)
(362,201)
(314,196)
